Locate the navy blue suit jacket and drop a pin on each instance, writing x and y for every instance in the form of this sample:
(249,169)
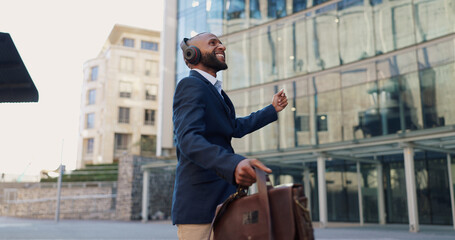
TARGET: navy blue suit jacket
(204,124)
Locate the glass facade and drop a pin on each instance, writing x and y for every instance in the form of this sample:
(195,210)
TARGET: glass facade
(353,70)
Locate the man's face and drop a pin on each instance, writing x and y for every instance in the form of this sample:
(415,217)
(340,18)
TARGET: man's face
(212,51)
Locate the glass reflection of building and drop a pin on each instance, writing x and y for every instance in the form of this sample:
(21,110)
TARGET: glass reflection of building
(371,106)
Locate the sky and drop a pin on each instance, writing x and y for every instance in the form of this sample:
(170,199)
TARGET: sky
(54,39)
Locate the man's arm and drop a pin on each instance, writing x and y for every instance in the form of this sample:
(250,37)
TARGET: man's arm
(244,172)
(259,119)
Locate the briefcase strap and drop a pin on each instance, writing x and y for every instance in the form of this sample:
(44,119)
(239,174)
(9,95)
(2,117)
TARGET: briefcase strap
(261,180)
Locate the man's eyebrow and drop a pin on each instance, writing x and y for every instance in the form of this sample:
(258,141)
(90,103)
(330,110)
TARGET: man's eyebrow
(215,39)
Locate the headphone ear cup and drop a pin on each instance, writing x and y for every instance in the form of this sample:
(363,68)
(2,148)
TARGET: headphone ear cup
(192,55)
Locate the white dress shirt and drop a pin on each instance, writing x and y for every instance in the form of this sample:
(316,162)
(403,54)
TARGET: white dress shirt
(211,79)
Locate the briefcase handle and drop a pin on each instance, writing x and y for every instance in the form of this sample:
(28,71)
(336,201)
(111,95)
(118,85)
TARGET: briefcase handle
(261,182)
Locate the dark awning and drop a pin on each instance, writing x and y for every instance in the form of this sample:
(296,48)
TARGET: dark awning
(16,85)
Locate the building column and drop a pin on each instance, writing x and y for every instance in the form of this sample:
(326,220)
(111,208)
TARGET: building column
(452,198)
(359,193)
(322,188)
(381,202)
(145,195)
(307,186)
(164,136)
(411,189)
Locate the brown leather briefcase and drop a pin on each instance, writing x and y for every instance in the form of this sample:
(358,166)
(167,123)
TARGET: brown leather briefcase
(278,213)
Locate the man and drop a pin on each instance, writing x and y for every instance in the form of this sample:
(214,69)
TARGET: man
(208,170)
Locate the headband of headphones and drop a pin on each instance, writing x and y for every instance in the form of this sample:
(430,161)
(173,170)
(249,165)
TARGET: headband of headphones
(191,53)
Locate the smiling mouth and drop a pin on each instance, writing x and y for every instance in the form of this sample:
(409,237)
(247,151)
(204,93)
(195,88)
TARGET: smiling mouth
(220,55)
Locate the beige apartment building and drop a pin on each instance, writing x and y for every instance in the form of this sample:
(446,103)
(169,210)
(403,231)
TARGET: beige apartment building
(119,99)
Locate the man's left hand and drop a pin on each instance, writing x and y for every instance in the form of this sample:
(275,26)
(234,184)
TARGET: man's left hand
(280,101)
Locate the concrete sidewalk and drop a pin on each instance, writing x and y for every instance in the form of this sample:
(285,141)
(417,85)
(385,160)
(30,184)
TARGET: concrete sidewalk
(15,228)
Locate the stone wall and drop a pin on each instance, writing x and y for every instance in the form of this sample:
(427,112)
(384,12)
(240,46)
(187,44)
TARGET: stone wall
(121,200)
(125,186)
(129,196)
(82,201)
(161,188)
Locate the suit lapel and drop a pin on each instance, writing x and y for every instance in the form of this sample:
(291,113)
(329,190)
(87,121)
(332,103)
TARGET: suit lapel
(212,88)
(228,102)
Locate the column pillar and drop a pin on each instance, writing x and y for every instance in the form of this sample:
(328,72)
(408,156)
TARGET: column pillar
(359,193)
(145,195)
(322,188)
(164,135)
(411,189)
(452,200)
(307,186)
(381,202)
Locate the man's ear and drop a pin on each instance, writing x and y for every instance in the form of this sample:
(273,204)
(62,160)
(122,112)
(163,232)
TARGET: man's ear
(187,63)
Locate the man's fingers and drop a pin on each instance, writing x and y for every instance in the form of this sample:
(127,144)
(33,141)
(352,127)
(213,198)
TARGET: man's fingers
(245,174)
(249,172)
(281,92)
(261,166)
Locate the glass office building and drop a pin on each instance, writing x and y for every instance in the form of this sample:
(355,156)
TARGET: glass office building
(370,126)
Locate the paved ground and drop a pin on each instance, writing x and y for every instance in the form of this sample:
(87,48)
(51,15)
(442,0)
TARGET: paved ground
(14,228)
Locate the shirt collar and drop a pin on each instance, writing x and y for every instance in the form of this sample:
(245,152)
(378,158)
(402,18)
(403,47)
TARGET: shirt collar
(207,76)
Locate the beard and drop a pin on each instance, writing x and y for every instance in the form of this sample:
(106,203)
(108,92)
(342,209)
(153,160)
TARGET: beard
(211,61)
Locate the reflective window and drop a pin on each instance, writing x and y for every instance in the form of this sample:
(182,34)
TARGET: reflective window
(125,89)
(322,30)
(452,169)
(235,15)
(437,95)
(90,120)
(122,141)
(369,178)
(149,117)
(301,111)
(261,57)
(241,101)
(433,19)
(91,96)
(94,73)
(147,45)
(128,42)
(267,137)
(395,189)
(398,104)
(342,196)
(355,28)
(300,46)
(255,9)
(294,124)
(276,8)
(89,142)
(286,62)
(394,21)
(436,83)
(235,9)
(299,5)
(123,115)
(360,102)
(215,14)
(237,61)
(314,191)
(327,104)
(432,188)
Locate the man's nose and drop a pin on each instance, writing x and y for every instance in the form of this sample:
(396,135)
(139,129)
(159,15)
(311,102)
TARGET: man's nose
(221,46)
